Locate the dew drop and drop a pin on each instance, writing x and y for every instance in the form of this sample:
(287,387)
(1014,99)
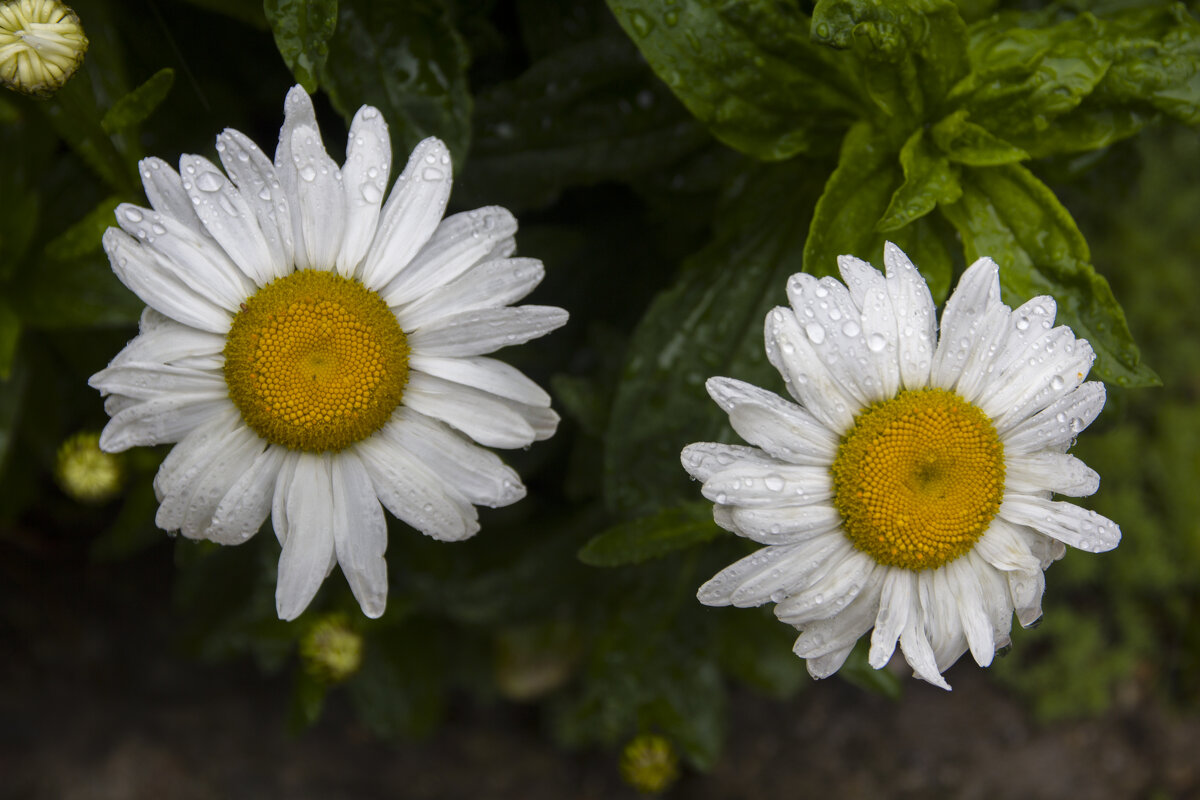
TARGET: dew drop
(432,174)
(133,215)
(371,193)
(851,328)
(876,341)
(264,193)
(774,483)
(308,172)
(1023,324)
(816,333)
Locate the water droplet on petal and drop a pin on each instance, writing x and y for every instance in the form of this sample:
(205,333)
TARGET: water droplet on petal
(371,193)
(816,333)
(432,174)
(133,215)
(1057,383)
(851,328)
(308,173)
(876,341)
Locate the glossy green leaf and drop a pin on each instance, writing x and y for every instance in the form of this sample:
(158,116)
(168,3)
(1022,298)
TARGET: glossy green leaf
(855,199)
(747,69)
(657,535)
(587,113)
(302,30)
(964,142)
(909,53)
(407,60)
(929,179)
(709,323)
(1008,214)
(134,108)
(76,118)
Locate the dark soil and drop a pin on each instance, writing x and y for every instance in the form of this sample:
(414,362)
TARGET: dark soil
(95,705)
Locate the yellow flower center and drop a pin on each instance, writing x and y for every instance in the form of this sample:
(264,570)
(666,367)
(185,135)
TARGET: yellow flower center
(919,478)
(315,361)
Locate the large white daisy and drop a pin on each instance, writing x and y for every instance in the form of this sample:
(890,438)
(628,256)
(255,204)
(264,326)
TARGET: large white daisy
(909,491)
(315,355)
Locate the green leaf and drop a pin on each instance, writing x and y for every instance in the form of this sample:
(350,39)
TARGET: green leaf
(308,698)
(302,30)
(137,106)
(650,537)
(248,13)
(964,142)
(84,237)
(756,648)
(75,116)
(855,199)
(407,60)
(400,690)
(859,672)
(10,334)
(709,323)
(747,69)
(587,113)
(909,53)
(1008,214)
(929,179)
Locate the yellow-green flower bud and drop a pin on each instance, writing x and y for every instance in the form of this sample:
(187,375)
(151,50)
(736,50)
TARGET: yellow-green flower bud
(331,649)
(41,45)
(85,472)
(649,764)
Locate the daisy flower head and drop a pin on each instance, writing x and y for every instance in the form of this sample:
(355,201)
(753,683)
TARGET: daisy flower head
(42,44)
(907,491)
(319,354)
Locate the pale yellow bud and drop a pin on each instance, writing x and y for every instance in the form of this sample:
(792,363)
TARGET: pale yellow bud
(649,764)
(41,45)
(85,472)
(331,649)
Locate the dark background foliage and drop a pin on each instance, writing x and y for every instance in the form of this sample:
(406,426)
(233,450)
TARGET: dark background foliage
(671,163)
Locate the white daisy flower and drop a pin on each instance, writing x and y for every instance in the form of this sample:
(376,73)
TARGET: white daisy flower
(315,355)
(909,491)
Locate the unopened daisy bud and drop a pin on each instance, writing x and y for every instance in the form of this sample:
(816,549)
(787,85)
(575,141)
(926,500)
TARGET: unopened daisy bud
(649,764)
(41,45)
(331,650)
(85,472)
(533,661)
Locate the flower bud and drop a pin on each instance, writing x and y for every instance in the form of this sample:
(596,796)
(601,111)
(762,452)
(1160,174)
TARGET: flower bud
(41,45)
(85,472)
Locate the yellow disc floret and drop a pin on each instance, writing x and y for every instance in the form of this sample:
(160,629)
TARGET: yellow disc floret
(919,478)
(315,361)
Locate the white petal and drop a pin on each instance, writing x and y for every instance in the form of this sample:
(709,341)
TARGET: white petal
(484,373)
(364,179)
(165,192)
(486,418)
(895,605)
(150,381)
(842,630)
(359,532)
(791,574)
(162,340)
(297,113)
(830,593)
(199,447)
(916,319)
(1057,364)
(1055,472)
(415,495)
(806,376)
(491,284)
(320,200)
(968,596)
(786,524)
(1056,426)
(917,650)
(410,216)
(162,420)
(228,217)
(831,323)
(943,625)
(973,307)
(1027,323)
(235,459)
(773,484)
(283,489)
(474,333)
(704,459)
(260,186)
(246,505)
(1005,550)
(308,542)
(477,474)
(1026,589)
(718,590)
(194,260)
(1067,522)
(859,277)
(782,429)
(881,356)
(140,270)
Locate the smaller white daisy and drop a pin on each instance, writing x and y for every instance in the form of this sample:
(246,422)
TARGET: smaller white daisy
(315,355)
(909,491)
